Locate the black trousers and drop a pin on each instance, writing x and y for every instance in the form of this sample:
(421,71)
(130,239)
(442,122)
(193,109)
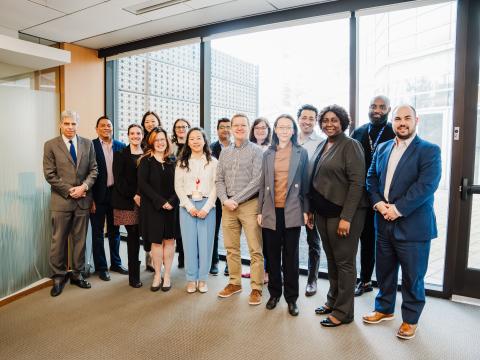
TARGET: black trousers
(282,256)
(218,220)
(367,247)
(133,249)
(313,241)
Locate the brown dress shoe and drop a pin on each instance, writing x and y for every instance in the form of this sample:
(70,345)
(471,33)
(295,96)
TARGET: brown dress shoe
(376,317)
(255,297)
(407,331)
(229,290)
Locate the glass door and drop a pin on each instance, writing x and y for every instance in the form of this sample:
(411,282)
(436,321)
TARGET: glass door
(467,274)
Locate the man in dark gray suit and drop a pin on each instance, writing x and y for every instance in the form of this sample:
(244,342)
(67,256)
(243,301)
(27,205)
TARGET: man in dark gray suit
(69,166)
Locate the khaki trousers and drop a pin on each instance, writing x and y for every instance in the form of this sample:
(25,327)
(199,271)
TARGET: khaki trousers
(245,216)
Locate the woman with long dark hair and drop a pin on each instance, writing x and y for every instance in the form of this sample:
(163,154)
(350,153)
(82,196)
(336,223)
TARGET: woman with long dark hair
(195,187)
(282,210)
(150,121)
(126,200)
(156,173)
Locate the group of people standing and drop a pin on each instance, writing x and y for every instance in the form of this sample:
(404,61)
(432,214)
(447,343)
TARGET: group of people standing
(376,186)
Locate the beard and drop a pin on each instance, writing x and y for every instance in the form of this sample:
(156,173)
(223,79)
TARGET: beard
(380,120)
(404,137)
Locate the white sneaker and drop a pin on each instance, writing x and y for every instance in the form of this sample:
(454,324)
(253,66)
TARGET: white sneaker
(202,287)
(191,287)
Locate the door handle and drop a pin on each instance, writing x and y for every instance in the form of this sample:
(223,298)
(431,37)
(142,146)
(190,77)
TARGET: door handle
(466,189)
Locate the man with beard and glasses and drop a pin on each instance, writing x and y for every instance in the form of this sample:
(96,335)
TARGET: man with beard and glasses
(401,183)
(370,135)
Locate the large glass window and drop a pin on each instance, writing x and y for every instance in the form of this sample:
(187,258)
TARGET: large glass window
(166,81)
(268,73)
(408,55)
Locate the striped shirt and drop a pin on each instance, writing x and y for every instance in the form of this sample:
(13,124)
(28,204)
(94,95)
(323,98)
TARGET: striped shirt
(238,172)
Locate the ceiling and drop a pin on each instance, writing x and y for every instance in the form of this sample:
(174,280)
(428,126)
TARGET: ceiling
(99,24)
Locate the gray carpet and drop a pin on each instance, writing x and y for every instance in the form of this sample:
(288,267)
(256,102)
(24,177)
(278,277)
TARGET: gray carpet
(115,321)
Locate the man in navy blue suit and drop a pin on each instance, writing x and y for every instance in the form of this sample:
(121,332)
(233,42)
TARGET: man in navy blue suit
(105,146)
(401,182)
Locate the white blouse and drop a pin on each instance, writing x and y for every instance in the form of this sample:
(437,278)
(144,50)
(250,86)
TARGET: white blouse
(201,177)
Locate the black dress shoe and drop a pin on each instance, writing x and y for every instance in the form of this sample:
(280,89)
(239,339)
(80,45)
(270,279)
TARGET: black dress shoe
(225,272)
(136,284)
(82,283)
(119,269)
(311,289)
(363,287)
(104,275)
(329,323)
(57,288)
(293,309)
(154,288)
(272,302)
(214,269)
(165,288)
(323,310)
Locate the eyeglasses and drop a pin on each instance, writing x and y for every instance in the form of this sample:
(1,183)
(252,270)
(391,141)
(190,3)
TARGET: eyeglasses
(260,128)
(179,127)
(224,127)
(160,141)
(236,126)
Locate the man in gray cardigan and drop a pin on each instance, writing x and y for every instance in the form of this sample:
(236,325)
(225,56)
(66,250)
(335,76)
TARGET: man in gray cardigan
(69,166)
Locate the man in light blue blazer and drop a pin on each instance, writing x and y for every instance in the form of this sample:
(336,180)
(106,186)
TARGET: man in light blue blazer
(401,182)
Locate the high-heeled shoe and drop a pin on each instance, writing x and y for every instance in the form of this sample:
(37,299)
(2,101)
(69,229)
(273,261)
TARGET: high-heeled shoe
(156,288)
(165,288)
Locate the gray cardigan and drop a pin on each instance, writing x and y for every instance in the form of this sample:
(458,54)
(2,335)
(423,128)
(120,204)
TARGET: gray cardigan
(296,202)
(340,175)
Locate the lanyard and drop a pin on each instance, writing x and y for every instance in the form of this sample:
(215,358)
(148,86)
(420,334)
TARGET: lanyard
(373,145)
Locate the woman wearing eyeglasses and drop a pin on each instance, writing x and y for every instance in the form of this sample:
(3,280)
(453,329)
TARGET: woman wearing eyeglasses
(179,136)
(261,133)
(282,209)
(156,176)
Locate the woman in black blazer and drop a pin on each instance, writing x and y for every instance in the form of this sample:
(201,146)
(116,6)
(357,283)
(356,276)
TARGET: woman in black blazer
(125,199)
(337,195)
(156,183)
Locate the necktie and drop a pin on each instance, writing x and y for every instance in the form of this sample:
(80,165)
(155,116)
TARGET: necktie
(72,152)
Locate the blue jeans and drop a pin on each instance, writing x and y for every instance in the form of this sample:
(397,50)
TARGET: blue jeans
(197,236)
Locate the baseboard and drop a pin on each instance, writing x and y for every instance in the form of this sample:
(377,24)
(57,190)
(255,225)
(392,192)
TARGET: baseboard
(466,300)
(41,284)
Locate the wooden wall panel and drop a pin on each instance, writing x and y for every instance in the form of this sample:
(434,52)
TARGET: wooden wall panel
(82,87)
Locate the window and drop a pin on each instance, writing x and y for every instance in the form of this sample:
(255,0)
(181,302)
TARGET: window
(166,81)
(268,73)
(408,55)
